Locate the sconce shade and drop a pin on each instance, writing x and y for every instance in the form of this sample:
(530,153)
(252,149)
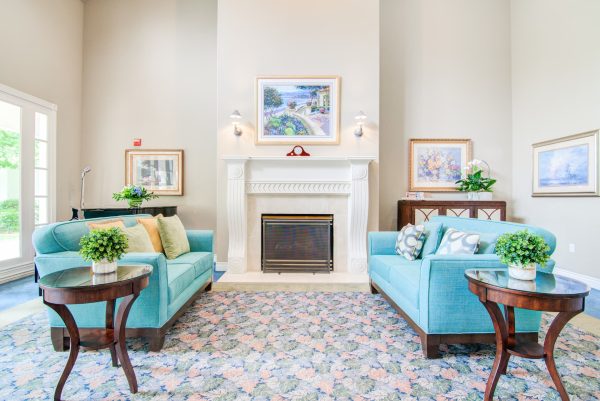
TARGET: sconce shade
(235,116)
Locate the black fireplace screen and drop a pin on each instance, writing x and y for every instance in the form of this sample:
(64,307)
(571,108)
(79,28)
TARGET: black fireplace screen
(297,243)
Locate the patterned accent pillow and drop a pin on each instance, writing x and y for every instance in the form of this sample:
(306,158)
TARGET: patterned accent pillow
(410,241)
(457,242)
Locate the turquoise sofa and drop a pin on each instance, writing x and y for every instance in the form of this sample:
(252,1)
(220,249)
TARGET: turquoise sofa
(432,294)
(174,284)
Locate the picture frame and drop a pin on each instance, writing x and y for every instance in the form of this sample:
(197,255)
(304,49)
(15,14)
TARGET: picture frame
(301,110)
(159,171)
(566,166)
(436,164)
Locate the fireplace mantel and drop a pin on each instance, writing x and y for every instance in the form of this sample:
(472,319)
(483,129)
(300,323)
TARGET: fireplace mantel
(286,176)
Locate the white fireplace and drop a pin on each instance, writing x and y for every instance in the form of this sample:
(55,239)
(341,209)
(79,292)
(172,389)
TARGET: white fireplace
(297,185)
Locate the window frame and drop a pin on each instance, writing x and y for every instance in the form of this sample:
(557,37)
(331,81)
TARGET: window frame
(15,268)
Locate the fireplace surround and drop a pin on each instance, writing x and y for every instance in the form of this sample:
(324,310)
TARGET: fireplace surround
(297,185)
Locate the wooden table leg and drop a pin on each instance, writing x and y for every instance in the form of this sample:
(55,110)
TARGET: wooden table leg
(509,313)
(67,317)
(502,355)
(110,313)
(121,321)
(555,328)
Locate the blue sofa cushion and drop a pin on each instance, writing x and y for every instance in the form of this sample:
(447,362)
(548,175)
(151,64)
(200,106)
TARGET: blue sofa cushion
(433,235)
(179,277)
(487,243)
(382,264)
(405,279)
(201,261)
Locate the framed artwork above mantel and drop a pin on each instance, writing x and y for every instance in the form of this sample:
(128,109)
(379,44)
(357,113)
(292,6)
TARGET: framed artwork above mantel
(301,110)
(436,164)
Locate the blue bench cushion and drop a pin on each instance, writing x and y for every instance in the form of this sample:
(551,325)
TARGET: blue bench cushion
(382,265)
(179,277)
(201,261)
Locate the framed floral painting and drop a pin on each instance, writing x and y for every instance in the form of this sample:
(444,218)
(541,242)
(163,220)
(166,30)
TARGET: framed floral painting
(436,164)
(159,171)
(298,110)
(567,166)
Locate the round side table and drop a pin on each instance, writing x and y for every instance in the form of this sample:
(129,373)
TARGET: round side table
(548,293)
(81,286)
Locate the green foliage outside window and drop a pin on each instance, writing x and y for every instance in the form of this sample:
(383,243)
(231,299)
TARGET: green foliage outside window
(9,216)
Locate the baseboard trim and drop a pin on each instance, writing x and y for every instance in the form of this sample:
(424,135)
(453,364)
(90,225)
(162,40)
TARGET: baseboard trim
(589,280)
(221,266)
(16,272)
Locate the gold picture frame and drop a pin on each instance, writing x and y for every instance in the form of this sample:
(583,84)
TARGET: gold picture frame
(436,164)
(313,113)
(566,166)
(158,170)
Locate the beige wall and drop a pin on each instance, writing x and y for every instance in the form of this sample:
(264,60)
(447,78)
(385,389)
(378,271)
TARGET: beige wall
(312,37)
(150,72)
(556,92)
(40,43)
(445,73)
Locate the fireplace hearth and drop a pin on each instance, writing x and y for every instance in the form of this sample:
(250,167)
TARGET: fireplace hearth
(297,243)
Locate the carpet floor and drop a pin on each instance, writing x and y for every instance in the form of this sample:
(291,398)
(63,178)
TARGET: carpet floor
(300,346)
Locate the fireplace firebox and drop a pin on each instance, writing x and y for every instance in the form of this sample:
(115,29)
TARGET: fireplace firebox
(297,243)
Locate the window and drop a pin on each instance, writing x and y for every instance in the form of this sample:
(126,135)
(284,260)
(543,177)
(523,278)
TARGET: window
(27,127)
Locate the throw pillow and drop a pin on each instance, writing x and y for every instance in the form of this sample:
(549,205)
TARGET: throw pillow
(138,239)
(104,224)
(173,236)
(457,242)
(151,226)
(410,241)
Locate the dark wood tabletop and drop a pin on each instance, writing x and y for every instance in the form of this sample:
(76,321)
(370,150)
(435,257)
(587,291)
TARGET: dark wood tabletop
(548,292)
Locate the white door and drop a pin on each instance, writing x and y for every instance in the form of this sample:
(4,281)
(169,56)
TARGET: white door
(27,131)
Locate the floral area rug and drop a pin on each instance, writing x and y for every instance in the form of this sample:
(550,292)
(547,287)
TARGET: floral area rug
(290,346)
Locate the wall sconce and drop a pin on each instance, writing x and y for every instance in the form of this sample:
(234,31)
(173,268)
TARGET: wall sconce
(360,121)
(235,120)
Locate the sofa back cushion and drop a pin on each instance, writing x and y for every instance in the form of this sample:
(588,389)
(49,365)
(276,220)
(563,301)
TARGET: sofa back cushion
(433,235)
(65,236)
(493,227)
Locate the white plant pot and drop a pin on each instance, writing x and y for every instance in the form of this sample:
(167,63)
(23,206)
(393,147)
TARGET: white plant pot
(483,195)
(104,267)
(520,272)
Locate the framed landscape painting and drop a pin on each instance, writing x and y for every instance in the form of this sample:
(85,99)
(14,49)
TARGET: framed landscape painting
(566,166)
(159,171)
(436,164)
(297,110)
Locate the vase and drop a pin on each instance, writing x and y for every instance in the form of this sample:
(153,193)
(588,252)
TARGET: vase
(473,195)
(523,285)
(482,195)
(135,203)
(104,267)
(522,272)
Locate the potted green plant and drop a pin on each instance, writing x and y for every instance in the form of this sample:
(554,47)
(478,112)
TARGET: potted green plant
(134,195)
(103,248)
(522,251)
(475,182)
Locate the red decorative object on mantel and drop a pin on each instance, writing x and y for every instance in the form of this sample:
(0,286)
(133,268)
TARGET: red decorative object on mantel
(298,151)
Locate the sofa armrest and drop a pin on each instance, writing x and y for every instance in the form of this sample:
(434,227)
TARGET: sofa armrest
(200,240)
(154,299)
(443,290)
(382,242)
